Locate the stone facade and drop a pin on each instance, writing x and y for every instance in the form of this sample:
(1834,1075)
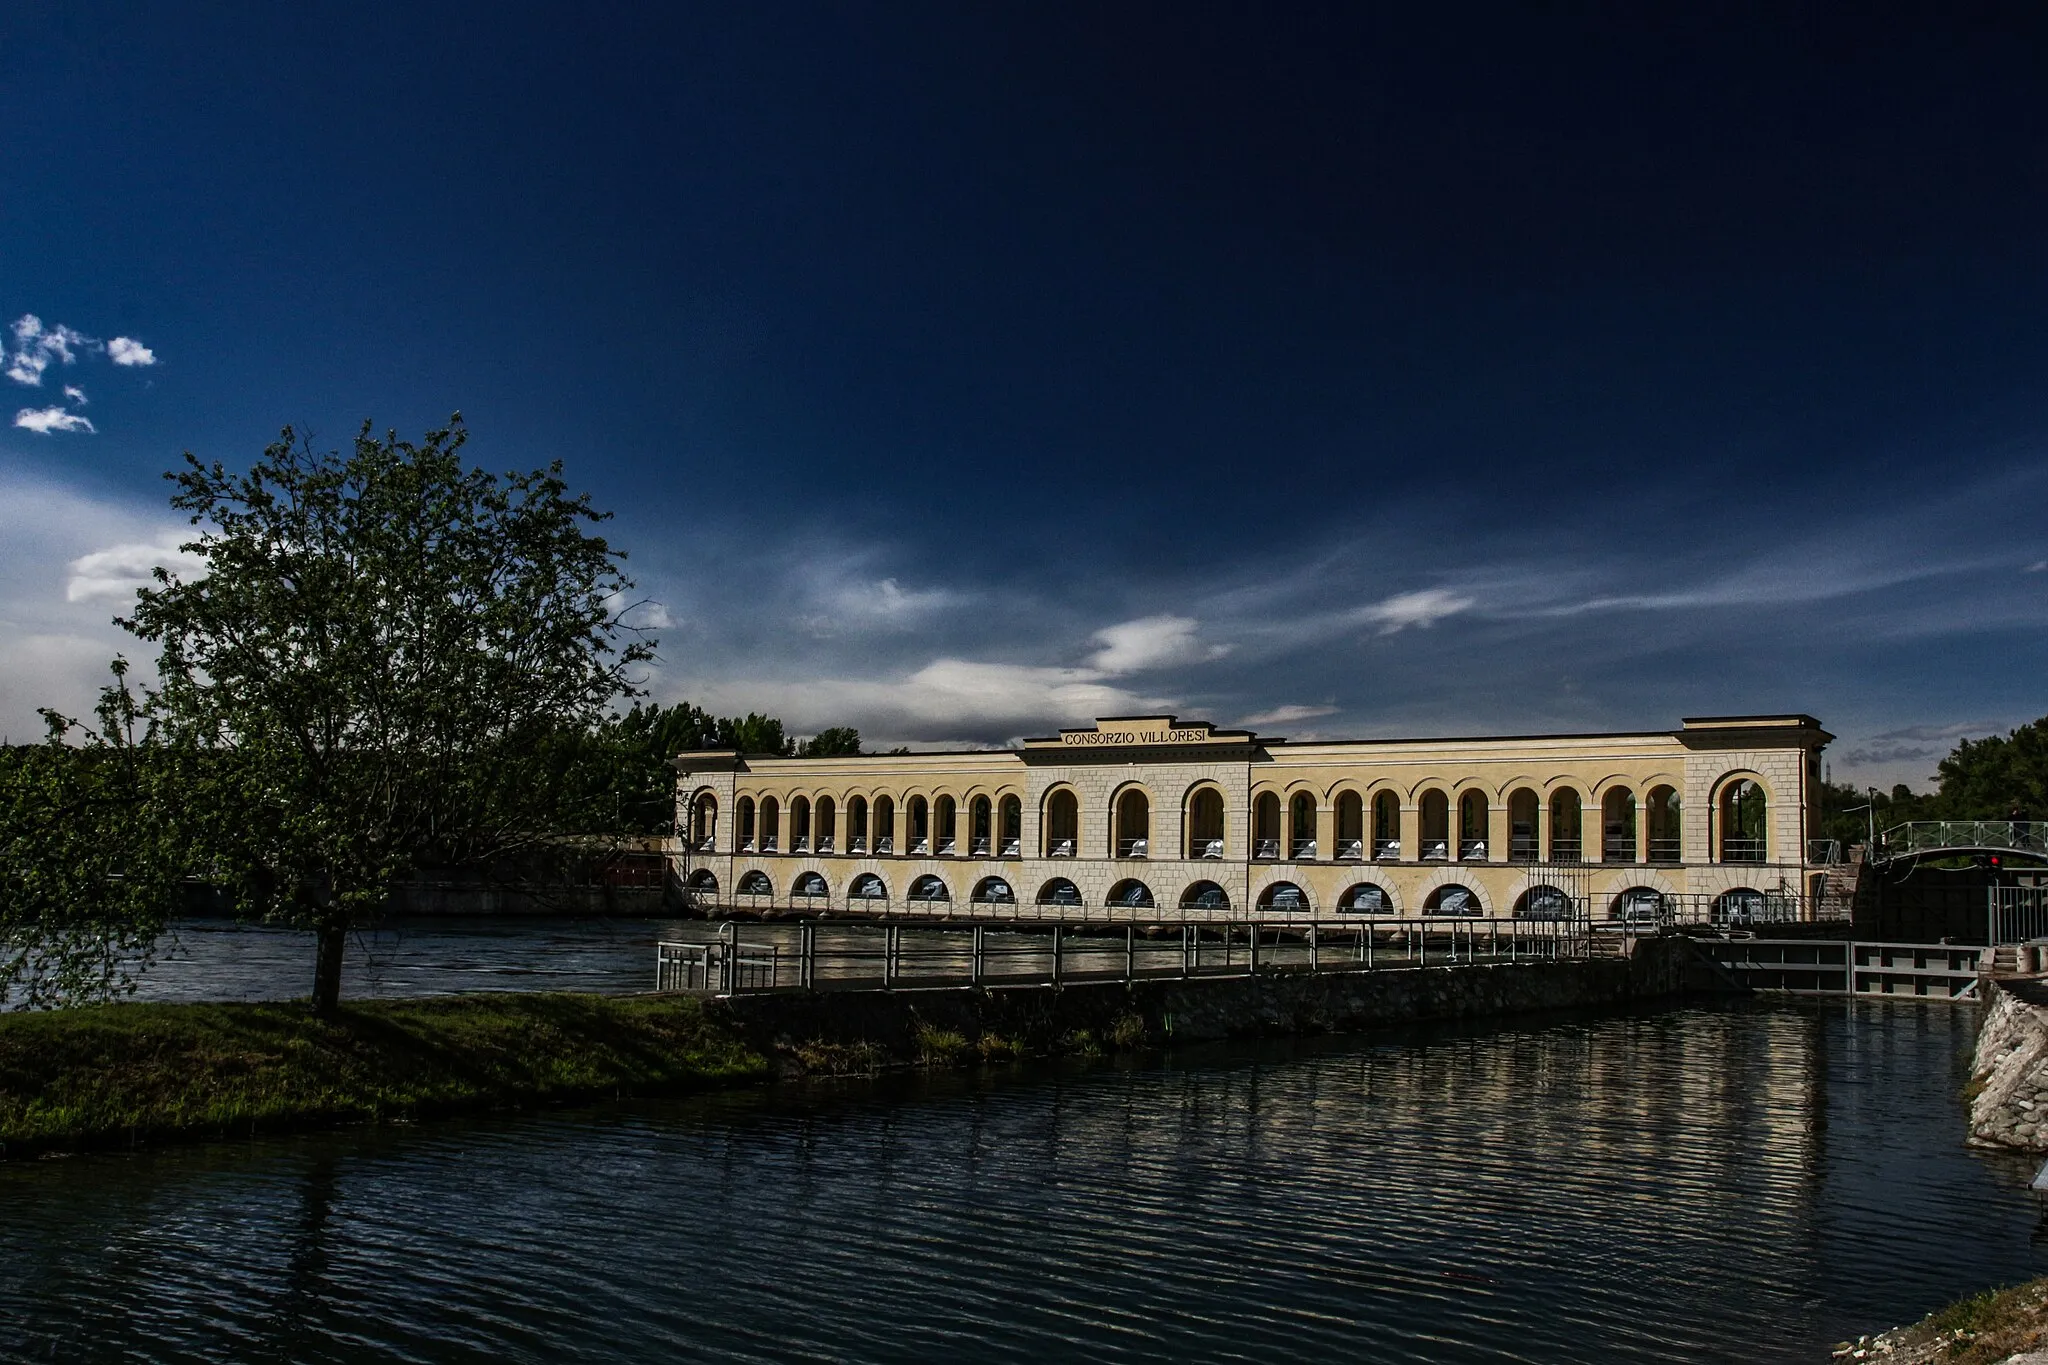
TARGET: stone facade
(1720,805)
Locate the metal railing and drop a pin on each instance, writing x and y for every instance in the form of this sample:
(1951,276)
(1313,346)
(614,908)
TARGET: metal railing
(1739,850)
(1934,836)
(2019,914)
(1666,850)
(863,955)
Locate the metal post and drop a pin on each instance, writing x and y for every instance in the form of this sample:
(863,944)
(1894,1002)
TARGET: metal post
(1369,946)
(807,945)
(1187,944)
(1253,969)
(975,971)
(888,956)
(728,979)
(1055,954)
(1130,952)
(1314,961)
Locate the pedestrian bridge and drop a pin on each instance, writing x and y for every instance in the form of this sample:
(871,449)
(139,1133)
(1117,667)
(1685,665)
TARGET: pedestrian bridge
(1961,838)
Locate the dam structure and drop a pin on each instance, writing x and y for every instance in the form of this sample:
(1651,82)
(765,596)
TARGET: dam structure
(1151,818)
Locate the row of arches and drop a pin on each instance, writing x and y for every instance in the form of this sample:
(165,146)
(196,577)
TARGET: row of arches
(1636,905)
(1450,826)
(933,827)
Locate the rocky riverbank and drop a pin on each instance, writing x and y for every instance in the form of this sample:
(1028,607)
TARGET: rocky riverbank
(2008,1091)
(1997,1327)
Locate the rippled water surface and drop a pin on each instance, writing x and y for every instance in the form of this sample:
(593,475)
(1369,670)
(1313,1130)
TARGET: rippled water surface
(1720,1183)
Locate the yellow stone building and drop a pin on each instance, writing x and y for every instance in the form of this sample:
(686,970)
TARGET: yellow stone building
(1148,817)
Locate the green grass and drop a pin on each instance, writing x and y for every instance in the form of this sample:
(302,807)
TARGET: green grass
(129,1074)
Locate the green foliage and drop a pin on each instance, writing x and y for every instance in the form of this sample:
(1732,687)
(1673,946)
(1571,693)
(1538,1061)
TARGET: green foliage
(380,665)
(1987,779)
(838,742)
(90,853)
(119,1074)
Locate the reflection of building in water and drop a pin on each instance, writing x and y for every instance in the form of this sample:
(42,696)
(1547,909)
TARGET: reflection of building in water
(1146,815)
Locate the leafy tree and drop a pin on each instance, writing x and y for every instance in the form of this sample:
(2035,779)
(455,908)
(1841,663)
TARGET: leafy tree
(837,742)
(379,664)
(1987,779)
(91,853)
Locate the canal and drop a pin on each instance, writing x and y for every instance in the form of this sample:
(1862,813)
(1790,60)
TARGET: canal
(1716,1182)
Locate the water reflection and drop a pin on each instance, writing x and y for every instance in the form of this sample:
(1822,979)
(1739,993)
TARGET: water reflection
(1700,1183)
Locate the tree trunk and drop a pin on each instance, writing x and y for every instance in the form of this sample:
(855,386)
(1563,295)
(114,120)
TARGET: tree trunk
(331,938)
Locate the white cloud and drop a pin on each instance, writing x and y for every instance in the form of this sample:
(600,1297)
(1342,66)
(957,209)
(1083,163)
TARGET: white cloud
(129,351)
(947,699)
(879,605)
(1152,642)
(75,394)
(57,644)
(47,420)
(1287,715)
(1424,609)
(35,346)
(121,569)
(2038,566)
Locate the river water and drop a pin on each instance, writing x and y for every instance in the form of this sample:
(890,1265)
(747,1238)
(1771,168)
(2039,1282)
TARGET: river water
(1721,1182)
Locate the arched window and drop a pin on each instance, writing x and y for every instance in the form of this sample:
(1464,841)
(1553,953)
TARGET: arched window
(868,887)
(771,824)
(828,825)
(1472,827)
(1131,894)
(1133,824)
(1666,830)
(929,890)
(747,833)
(1010,823)
(756,883)
(920,825)
(993,891)
(1350,845)
(1618,826)
(1453,900)
(1364,898)
(1301,828)
(943,812)
(1062,824)
(1266,827)
(1543,902)
(1205,823)
(885,824)
(811,885)
(1436,826)
(1640,905)
(704,823)
(1285,897)
(800,825)
(1565,844)
(1204,896)
(1523,844)
(701,890)
(1739,907)
(857,825)
(1059,891)
(1743,822)
(1386,826)
(980,827)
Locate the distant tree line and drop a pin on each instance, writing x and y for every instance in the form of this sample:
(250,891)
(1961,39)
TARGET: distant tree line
(1996,778)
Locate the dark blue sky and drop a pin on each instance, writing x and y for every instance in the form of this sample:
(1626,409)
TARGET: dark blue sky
(956,371)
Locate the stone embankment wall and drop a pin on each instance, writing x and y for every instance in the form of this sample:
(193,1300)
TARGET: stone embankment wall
(1035,1018)
(2009,1084)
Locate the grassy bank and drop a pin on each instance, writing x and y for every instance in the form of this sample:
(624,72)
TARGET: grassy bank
(1980,1330)
(129,1074)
